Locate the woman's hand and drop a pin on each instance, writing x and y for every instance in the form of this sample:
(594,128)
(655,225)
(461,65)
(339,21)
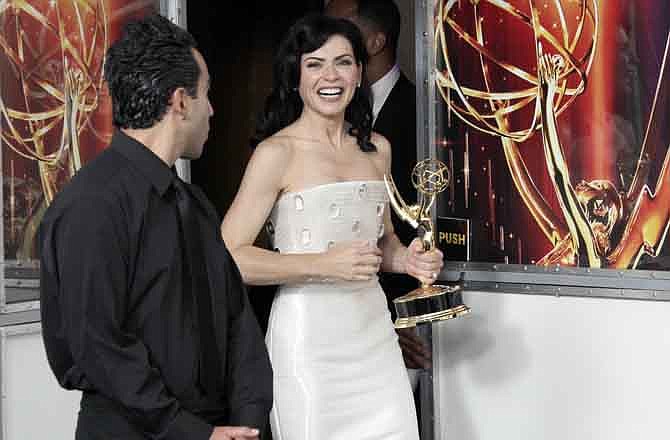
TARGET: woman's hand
(351,261)
(422,265)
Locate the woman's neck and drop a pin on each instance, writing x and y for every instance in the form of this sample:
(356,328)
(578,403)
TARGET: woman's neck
(331,131)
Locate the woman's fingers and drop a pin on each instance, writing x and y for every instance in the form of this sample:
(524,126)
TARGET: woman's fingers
(424,276)
(366,266)
(366,270)
(424,266)
(369,260)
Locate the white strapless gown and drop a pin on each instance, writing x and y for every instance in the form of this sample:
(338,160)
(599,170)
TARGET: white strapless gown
(338,369)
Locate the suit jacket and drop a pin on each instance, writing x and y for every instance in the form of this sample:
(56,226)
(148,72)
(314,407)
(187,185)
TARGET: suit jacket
(397,123)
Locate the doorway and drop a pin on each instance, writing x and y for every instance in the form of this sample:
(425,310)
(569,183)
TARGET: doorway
(239,41)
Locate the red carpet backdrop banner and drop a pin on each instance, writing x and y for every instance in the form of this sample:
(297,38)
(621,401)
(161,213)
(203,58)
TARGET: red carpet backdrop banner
(554,122)
(55,113)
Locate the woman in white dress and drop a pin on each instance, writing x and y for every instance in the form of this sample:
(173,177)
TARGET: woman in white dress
(316,181)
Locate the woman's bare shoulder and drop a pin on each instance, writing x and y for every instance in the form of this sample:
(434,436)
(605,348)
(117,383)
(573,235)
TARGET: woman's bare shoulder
(382,144)
(275,148)
(381,157)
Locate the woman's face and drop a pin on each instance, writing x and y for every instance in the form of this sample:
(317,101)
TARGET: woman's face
(329,77)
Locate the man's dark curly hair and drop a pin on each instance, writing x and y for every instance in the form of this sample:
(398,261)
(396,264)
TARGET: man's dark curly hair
(151,60)
(284,105)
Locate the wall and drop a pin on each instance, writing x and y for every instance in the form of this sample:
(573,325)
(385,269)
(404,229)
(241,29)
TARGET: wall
(33,406)
(540,367)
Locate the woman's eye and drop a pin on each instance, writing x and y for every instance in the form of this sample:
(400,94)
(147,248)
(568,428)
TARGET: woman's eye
(313,65)
(345,63)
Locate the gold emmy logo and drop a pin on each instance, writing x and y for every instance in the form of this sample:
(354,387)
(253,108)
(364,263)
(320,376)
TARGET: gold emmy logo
(61,92)
(52,84)
(598,224)
(427,303)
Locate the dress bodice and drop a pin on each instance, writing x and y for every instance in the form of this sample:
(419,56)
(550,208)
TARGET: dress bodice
(316,218)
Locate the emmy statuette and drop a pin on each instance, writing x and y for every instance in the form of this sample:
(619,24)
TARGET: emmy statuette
(427,303)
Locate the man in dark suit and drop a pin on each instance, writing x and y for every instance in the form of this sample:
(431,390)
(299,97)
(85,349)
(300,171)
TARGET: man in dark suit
(394,116)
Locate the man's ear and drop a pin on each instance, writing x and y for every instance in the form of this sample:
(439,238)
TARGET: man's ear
(179,103)
(375,43)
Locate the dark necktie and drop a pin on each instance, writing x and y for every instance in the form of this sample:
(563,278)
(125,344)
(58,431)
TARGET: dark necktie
(196,281)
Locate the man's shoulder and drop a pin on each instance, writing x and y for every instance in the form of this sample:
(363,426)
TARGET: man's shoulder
(95,185)
(405,81)
(396,117)
(404,87)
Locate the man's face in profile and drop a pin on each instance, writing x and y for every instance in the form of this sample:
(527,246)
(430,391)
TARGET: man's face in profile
(200,111)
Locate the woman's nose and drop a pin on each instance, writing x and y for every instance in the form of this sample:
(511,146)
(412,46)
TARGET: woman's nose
(331,72)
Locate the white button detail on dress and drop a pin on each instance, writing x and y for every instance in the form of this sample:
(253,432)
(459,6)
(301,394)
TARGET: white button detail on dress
(306,237)
(362,190)
(299,203)
(356,227)
(335,211)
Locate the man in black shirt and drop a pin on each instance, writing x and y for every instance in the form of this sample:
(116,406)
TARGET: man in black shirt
(143,308)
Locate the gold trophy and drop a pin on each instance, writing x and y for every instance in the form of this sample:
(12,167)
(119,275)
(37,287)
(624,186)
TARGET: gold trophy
(426,303)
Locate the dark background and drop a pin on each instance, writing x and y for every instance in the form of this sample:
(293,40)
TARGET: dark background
(238,42)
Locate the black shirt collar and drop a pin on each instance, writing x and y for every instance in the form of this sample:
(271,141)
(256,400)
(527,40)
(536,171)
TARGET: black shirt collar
(150,165)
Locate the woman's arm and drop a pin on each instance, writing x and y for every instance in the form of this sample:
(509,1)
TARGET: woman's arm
(263,181)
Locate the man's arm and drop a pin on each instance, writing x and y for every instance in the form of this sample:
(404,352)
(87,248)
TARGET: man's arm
(249,372)
(87,250)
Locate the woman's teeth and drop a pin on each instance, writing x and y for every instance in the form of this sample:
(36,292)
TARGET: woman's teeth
(331,91)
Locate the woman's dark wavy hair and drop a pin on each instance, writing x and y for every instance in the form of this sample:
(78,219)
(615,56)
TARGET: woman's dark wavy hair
(284,105)
(145,66)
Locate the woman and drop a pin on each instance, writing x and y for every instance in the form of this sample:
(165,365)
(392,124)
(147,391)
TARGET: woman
(316,178)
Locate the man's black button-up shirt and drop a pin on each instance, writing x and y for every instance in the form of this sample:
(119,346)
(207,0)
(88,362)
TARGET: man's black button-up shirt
(116,313)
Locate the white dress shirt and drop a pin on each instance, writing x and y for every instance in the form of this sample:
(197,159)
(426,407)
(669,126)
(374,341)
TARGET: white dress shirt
(381,89)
